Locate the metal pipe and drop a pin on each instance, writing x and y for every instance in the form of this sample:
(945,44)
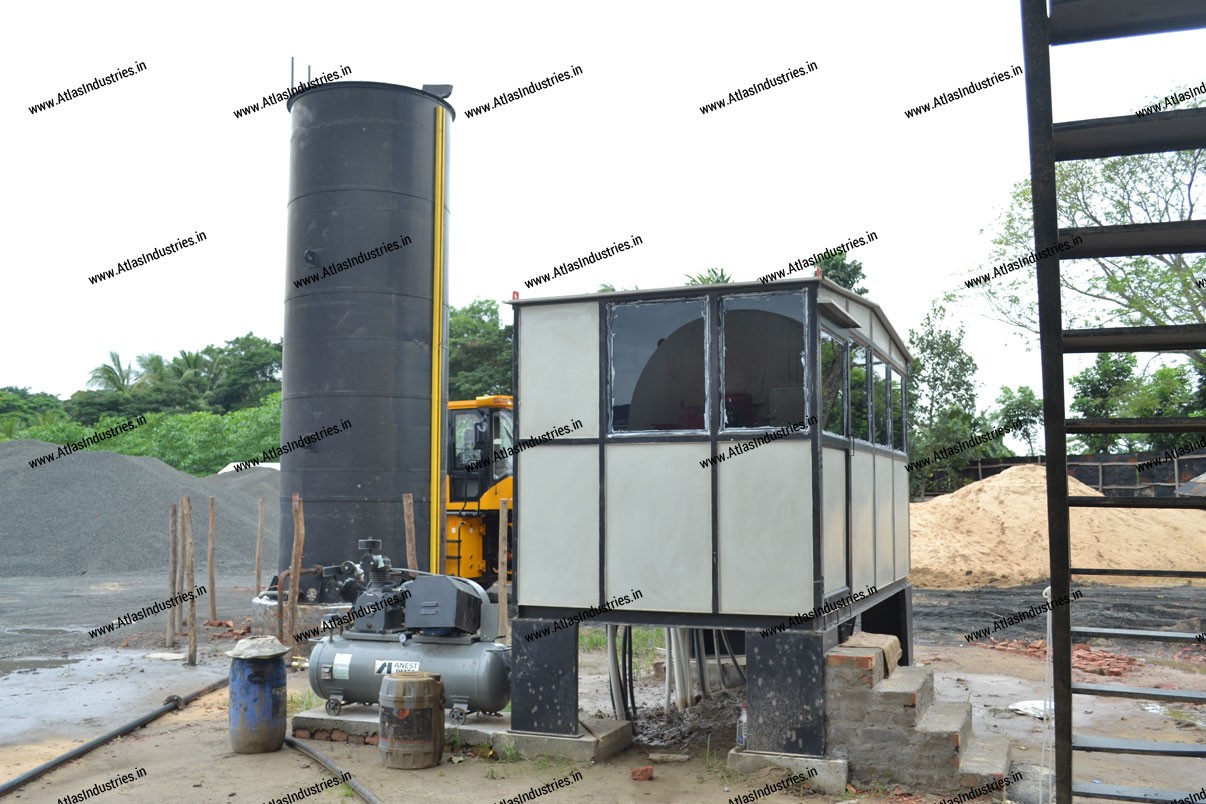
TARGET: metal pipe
(171,703)
(327,763)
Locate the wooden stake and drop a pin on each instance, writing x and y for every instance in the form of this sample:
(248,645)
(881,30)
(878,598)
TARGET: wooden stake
(503,625)
(172,590)
(408,510)
(181,563)
(259,547)
(299,541)
(213,590)
(186,512)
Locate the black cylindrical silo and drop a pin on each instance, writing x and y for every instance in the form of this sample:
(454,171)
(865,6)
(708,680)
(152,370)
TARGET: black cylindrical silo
(365,300)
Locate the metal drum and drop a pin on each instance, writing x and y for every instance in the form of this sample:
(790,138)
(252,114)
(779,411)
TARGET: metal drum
(257,705)
(411,731)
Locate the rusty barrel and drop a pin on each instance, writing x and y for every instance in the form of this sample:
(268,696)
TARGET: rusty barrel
(411,731)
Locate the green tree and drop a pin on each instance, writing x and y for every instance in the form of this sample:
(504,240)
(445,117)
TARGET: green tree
(24,408)
(941,397)
(1101,391)
(1021,409)
(607,287)
(112,376)
(1168,391)
(238,375)
(1152,290)
(89,407)
(848,274)
(479,351)
(712,276)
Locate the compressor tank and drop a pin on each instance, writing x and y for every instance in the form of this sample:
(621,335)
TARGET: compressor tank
(476,675)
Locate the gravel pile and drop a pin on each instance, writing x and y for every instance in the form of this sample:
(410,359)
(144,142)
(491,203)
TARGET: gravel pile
(100,512)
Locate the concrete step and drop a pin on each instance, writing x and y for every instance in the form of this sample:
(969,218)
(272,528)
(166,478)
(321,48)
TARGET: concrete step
(950,718)
(985,760)
(909,687)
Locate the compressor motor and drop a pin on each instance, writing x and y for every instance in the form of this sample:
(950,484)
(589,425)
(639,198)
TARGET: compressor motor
(405,620)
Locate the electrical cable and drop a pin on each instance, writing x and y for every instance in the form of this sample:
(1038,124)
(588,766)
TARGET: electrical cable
(729,649)
(701,671)
(613,671)
(631,671)
(669,669)
(626,635)
(715,647)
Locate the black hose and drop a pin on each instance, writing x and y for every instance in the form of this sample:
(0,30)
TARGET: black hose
(699,663)
(631,673)
(624,668)
(170,704)
(729,649)
(327,763)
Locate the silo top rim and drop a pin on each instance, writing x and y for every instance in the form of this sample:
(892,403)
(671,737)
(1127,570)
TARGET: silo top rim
(372,85)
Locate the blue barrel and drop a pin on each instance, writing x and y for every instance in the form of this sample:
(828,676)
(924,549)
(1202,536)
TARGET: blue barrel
(257,705)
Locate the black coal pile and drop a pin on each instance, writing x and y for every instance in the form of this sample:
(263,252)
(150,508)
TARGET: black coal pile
(100,512)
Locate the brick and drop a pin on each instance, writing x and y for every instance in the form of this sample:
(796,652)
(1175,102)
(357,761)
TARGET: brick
(322,734)
(644,774)
(887,644)
(339,736)
(301,734)
(355,739)
(371,740)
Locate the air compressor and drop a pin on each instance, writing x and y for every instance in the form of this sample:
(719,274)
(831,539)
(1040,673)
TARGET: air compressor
(406,620)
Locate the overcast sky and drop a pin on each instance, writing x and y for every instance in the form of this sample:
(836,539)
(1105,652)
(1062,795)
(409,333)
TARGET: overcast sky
(621,149)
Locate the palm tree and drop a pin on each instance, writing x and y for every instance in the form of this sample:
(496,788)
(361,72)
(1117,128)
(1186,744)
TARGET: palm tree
(155,370)
(712,276)
(8,428)
(112,377)
(190,363)
(47,418)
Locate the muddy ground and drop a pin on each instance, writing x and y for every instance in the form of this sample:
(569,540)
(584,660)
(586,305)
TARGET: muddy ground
(59,688)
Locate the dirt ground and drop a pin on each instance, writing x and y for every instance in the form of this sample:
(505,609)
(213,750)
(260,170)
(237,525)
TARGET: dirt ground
(59,689)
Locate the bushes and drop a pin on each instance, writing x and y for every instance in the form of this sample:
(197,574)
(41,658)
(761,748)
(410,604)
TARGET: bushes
(197,443)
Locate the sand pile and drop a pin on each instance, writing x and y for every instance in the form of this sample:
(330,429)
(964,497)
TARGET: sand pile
(101,512)
(994,533)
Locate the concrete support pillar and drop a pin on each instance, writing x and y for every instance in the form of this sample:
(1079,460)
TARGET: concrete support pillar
(544,677)
(785,691)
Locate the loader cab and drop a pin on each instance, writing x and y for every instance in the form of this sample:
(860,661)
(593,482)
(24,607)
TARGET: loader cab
(481,433)
(480,438)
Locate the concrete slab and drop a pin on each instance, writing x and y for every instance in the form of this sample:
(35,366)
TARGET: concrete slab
(363,720)
(597,738)
(830,775)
